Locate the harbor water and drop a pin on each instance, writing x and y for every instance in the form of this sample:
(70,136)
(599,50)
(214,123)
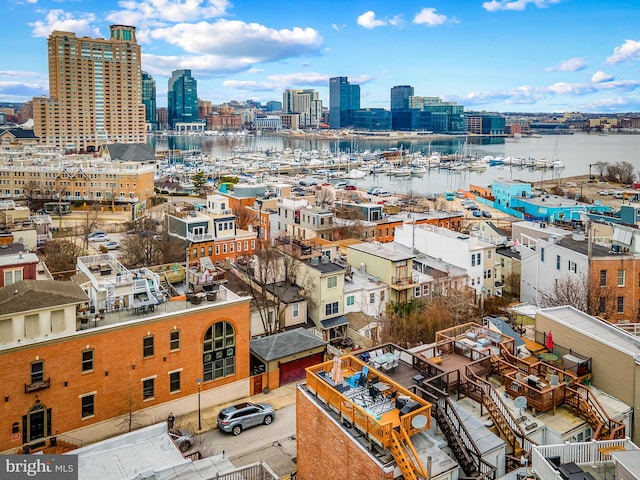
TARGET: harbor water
(579,153)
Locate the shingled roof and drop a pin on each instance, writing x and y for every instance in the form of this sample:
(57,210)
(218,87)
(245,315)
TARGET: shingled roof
(128,152)
(19,133)
(38,294)
(281,345)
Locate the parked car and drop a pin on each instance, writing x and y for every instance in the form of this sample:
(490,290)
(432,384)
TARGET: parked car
(618,195)
(340,185)
(459,194)
(486,214)
(350,187)
(477,213)
(432,197)
(97,233)
(99,238)
(603,192)
(382,193)
(239,417)
(112,245)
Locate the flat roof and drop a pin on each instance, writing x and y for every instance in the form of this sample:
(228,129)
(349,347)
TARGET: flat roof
(594,328)
(391,251)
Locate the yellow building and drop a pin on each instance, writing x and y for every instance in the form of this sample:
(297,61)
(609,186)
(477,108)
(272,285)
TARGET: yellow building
(95,88)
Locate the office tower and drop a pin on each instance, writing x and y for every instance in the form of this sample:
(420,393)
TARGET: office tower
(205,108)
(400,97)
(274,106)
(306,103)
(95,91)
(344,98)
(163,118)
(182,98)
(149,99)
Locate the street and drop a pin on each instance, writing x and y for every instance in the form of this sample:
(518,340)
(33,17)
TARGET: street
(274,444)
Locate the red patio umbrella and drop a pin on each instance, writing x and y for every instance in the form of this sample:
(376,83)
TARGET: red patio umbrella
(549,344)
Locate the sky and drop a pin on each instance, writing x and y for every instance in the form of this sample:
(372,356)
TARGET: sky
(488,55)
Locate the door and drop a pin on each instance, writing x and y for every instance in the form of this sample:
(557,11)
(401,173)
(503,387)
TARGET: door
(38,424)
(257,384)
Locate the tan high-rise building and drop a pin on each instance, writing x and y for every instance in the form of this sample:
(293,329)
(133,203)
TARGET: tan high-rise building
(95,88)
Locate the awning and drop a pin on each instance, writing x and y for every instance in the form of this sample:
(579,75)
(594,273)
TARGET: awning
(334,322)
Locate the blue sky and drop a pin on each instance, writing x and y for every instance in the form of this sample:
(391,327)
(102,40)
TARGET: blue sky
(495,55)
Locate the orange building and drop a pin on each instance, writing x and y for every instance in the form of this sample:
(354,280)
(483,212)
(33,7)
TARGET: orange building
(386,227)
(61,379)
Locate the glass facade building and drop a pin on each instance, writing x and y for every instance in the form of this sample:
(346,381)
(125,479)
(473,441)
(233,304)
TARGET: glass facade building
(149,99)
(400,95)
(344,98)
(372,119)
(182,98)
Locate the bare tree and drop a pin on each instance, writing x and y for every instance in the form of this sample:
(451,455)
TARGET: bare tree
(60,257)
(246,217)
(601,168)
(584,294)
(325,197)
(621,172)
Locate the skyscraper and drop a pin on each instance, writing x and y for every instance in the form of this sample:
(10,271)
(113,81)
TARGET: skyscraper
(400,97)
(344,98)
(182,98)
(149,99)
(95,88)
(306,103)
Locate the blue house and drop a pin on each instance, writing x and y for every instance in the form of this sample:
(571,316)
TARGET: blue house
(505,190)
(552,208)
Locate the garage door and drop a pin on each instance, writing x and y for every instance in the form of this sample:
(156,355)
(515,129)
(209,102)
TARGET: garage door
(294,371)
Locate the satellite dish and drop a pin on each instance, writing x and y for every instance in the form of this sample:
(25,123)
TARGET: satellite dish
(520,402)
(419,421)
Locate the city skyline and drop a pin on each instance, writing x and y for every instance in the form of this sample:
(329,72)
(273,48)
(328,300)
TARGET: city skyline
(496,55)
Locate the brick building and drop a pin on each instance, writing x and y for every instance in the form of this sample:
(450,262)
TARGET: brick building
(62,377)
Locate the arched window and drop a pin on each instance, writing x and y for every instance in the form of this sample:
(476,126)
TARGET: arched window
(219,351)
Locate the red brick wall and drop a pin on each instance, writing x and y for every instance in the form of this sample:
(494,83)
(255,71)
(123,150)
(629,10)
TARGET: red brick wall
(115,350)
(325,451)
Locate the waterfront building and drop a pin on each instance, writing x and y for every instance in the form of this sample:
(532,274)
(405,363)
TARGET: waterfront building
(301,220)
(400,95)
(204,108)
(224,118)
(182,98)
(374,119)
(344,98)
(149,100)
(269,122)
(290,121)
(163,118)
(306,103)
(95,88)
(486,124)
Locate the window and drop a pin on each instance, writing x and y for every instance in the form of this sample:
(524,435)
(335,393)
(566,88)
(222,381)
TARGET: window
(382,295)
(295,310)
(239,248)
(231,246)
(478,259)
(246,245)
(217,249)
(12,276)
(31,326)
(620,304)
(148,388)
(542,254)
(603,278)
(210,250)
(174,340)
(88,403)
(253,244)
(603,305)
(425,289)
(372,298)
(37,372)
(224,248)
(331,308)
(557,262)
(87,361)
(332,282)
(174,382)
(6,331)
(219,352)
(473,259)
(621,278)
(488,253)
(57,321)
(416,291)
(147,346)
(573,267)
(351,300)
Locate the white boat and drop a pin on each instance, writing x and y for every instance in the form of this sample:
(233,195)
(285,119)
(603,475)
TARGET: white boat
(355,174)
(400,172)
(542,163)
(557,164)
(418,169)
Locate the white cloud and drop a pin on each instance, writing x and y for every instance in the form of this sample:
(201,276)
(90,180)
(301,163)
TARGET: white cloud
(518,5)
(156,12)
(429,17)
(629,50)
(66,22)
(18,73)
(203,65)
(571,65)
(369,21)
(239,39)
(600,76)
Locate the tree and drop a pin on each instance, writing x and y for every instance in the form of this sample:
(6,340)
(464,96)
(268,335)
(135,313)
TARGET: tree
(199,180)
(60,256)
(582,293)
(621,172)
(601,168)
(325,197)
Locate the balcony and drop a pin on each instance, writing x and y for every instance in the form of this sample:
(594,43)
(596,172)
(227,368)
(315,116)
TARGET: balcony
(35,386)
(402,283)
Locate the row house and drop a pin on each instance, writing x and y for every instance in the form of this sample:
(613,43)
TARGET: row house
(211,232)
(302,220)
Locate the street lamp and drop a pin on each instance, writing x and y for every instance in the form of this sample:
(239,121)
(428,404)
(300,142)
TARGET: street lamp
(199,382)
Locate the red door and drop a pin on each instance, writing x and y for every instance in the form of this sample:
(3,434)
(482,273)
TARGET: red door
(294,370)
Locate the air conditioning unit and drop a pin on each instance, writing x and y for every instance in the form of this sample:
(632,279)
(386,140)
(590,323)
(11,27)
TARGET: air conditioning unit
(315,261)
(325,259)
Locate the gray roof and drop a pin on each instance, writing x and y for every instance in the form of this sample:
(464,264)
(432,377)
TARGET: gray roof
(329,267)
(38,294)
(393,251)
(281,345)
(596,329)
(582,246)
(20,132)
(130,152)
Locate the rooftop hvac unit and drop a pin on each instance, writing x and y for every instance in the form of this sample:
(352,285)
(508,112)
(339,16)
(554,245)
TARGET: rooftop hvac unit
(325,259)
(314,261)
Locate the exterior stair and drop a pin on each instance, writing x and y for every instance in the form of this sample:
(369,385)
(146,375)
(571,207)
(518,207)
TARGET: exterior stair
(454,441)
(405,456)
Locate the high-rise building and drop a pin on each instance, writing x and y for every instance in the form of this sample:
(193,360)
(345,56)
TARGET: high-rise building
(25,112)
(182,98)
(95,88)
(205,108)
(149,100)
(274,106)
(344,98)
(163,118)
(400,97)
(306,103)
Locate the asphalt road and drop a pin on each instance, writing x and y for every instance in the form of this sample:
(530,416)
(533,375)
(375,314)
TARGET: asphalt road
(273,444)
